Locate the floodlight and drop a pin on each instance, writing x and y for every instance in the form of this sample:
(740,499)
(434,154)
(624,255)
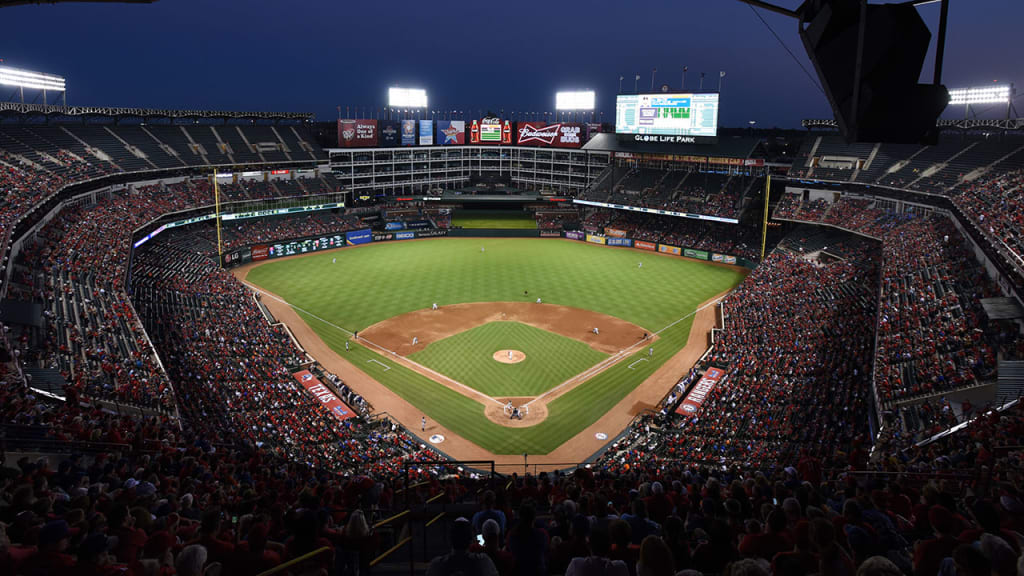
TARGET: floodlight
(574,100)
(33,80)
(979,95)
(407,97)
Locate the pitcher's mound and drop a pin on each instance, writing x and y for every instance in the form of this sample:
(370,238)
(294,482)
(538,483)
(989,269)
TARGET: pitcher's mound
(509,356)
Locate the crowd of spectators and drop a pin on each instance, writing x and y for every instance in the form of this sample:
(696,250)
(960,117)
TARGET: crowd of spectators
(995,204)
(933,335)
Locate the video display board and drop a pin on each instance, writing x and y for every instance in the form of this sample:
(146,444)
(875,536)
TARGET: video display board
(357,133)
(681,118)
(558,135)
(426,132)
(451,132)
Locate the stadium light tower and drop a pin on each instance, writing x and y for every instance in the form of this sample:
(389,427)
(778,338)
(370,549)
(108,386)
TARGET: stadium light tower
(575,102)
(966,97)
(22,79)
(415,98)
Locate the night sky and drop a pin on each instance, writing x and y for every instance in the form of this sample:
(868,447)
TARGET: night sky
(307,56)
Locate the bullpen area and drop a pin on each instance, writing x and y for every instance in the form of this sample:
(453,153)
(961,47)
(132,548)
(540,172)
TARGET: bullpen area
(537,346)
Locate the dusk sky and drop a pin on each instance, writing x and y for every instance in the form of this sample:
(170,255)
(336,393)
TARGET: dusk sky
(307,56)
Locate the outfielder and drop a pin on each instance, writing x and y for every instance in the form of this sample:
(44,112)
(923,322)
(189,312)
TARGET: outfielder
(435,306)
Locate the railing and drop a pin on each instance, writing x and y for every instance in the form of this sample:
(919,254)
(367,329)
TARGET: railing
(296,561)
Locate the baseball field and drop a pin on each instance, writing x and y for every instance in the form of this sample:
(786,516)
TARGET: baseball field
(493,219)
(564,330)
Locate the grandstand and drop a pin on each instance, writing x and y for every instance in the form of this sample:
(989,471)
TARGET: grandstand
(849,404)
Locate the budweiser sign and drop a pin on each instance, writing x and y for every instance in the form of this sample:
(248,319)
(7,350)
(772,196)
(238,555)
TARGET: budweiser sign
(561,135)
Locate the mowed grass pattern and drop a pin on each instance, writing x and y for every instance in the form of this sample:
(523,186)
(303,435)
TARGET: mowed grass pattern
(493,219)
(468,357)
(375,282)
(378,281)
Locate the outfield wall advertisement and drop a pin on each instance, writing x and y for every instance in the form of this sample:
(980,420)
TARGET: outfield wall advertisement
(358,237)
(615,232)
(594,238)
(666,249)
(574,235)
(698,254)
(627,242)
(645,245)
(700,391)
(328,399)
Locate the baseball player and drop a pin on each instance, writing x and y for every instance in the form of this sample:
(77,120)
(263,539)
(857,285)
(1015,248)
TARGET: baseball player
(334,260)
(415,340)
(346,345)
(596,331)
(435,306)
(650,351)
(538,300)
(423,424)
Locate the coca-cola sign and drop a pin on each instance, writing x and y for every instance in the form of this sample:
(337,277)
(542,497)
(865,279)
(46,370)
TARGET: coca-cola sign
(560,135)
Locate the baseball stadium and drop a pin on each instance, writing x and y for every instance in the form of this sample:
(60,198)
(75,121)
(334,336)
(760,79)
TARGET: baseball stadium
(503,338)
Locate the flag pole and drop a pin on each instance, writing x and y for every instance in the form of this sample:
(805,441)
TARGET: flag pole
(216,202)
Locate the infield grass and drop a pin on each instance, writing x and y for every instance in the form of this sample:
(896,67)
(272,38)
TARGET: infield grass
(468,357)
(493,219)
(374,282)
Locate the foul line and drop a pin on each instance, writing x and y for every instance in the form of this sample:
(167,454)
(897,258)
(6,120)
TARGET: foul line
(607,362)
(401,359)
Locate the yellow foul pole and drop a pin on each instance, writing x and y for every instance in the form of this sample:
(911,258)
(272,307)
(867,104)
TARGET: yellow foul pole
(764,224)
(216,202)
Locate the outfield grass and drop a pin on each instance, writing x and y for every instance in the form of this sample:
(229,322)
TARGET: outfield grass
(493,219)
(468,358)
(378,281)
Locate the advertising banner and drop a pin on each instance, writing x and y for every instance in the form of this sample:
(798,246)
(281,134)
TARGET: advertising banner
(490,130)
(395,226)
(358,237)
(615,232)
(698,254)
(596,239)
(357,133)
(426,132)
(593,129)
(558,135)
(389,133)
(260,253)
(645,245)
(729,259)
(431,233)
(451,132)
(665,248)
(716,257)
(627,242)
(408,132)
(382,237)
(550,234)
(418,224)
(700,391)
(328,399)
(405,235)
(574,235)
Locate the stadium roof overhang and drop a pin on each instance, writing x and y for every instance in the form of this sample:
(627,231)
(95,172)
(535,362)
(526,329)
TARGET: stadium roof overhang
(740,148)
(39,109)
(961,124)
